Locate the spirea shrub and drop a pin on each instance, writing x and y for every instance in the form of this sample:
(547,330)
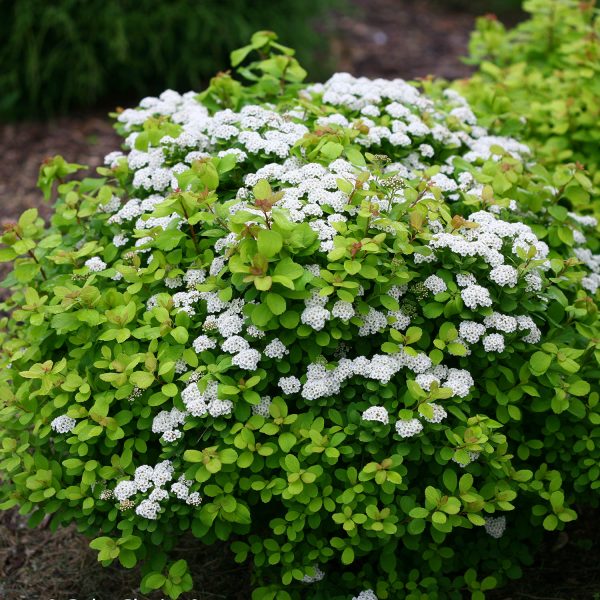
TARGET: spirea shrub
(541,81)
(338,325)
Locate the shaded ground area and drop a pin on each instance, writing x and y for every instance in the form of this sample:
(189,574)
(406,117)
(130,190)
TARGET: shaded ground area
(39,564)
(403,38)
(23,147)
(382,38)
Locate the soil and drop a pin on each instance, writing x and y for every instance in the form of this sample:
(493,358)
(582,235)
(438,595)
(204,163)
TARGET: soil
(381,38)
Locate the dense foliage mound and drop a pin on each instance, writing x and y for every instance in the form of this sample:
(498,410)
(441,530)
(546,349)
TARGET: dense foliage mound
(338,324)
(68,54)
(541,81)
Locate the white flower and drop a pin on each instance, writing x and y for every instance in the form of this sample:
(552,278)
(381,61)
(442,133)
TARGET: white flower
(194,499)
(495,526)
(376,413)
(504,275)
(493,342)
(408,428)
(290,385)
(234,344)
(470,331)
(63,424)
(475,295)
(95,264)
(313,578)
(246,359)
(501,322)
(275,349)
(439,414)
(343,310)
(148,509)
(366,595)
(315,317)
(202,343)
(262,408)
(435,284)
(125,489)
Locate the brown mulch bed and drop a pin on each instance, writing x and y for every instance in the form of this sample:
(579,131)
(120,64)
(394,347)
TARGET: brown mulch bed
(84,139)
(39,564)
(382,38)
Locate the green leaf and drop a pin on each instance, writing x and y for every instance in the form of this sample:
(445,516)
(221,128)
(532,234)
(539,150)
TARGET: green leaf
(449,478)
(347,556)
(237,56)
(418,513)
(193,456)
(539,362)
(269,242)
(433,310)
(292,464)
(141,379)
(287,441)
(228,456)
(276,303)
(154,581)
(262,190)
(332,150)
(178,569)
(550,523)
(180,335)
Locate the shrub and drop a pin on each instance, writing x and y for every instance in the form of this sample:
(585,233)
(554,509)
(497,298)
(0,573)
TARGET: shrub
(338,325)
(67,54)
(541,81)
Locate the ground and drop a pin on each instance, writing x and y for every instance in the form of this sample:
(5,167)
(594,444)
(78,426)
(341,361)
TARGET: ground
(383,38)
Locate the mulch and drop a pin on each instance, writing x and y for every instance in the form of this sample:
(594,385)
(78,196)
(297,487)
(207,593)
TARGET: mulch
(381,38)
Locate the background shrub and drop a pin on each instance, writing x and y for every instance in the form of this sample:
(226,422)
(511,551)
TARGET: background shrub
(339,325)
(541,81)
(66,54)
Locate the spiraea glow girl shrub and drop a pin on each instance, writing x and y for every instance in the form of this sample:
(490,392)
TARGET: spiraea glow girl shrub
(337,324)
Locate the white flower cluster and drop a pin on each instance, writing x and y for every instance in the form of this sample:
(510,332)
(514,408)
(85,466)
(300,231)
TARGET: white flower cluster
(494,342)
(95,264)
(275,349)
(63,424)
(473,456)
(315,315)
(313,578)
(144,479)
(408,427)
(475,295)
(199,404)
(167,423)
(457,380)
(592,281)
(321,381)
(366,595)
(262,408)
(439,413)
(290,385)
(435,284)
(470,331)
(376,413)
(181,490)
(504,275)
(495,526)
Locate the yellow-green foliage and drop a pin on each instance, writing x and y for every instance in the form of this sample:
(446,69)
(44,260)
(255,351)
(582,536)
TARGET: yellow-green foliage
(541,82)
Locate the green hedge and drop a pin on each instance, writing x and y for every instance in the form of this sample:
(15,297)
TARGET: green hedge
(67,54)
